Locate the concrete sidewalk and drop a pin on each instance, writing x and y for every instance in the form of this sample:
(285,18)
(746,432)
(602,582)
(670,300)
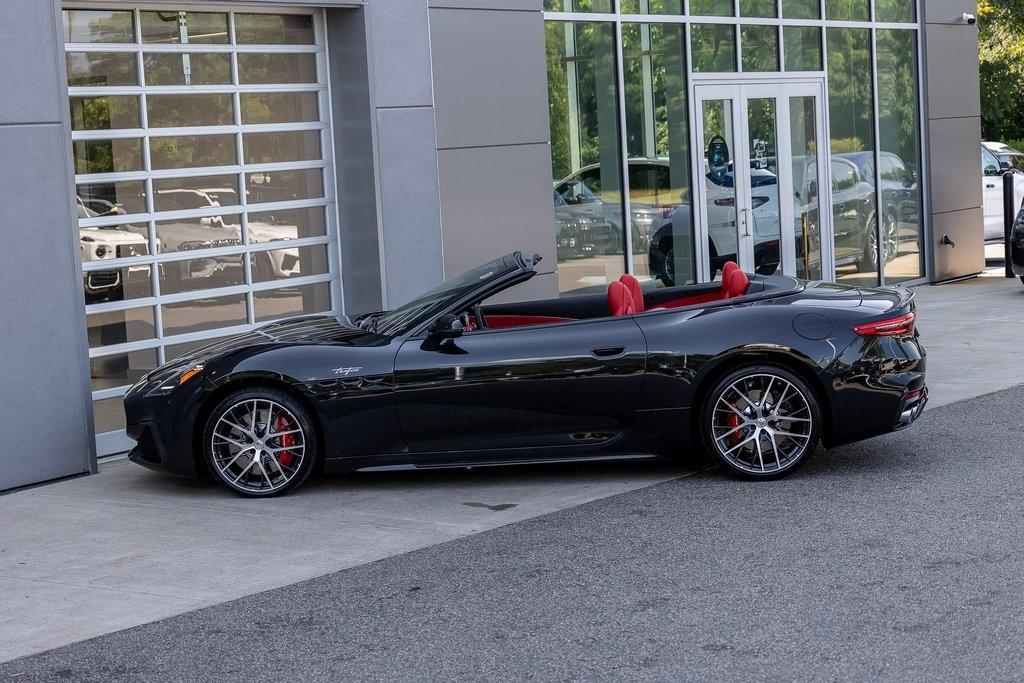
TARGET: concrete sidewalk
(90,556)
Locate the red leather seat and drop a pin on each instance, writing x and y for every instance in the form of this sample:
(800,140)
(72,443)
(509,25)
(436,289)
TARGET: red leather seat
(736,283)
(635,291)
(727,268)
(620,301)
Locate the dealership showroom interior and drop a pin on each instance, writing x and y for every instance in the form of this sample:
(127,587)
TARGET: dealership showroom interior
(505,339)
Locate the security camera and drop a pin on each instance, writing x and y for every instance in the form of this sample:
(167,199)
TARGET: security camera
(968,19)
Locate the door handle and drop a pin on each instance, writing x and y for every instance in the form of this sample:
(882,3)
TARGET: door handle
(746,223)
(608,352)
(991,186)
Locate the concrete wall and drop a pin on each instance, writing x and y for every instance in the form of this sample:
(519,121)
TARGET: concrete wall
(953,120)
(45,408)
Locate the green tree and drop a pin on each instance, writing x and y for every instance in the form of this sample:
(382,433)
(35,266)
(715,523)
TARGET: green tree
(1001,52)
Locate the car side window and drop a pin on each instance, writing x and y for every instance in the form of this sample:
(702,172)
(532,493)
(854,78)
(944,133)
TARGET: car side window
(893,169)
(989,163)
(844,176)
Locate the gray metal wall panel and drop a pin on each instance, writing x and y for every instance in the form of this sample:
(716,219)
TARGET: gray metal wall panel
(953,136)
(400,53)
(352,110)
(407,158)
(952,66)
(955,164)
(530,5)
(46,415)
(28,36)
(946,11)
(490,79)
(496,200)
(964,230)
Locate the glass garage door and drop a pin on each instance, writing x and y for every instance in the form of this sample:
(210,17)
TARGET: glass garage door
(203,180)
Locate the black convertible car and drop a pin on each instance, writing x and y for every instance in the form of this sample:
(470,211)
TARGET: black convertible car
(756,369)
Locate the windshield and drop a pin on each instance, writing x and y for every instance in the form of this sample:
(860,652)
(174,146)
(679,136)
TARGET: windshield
(431,304)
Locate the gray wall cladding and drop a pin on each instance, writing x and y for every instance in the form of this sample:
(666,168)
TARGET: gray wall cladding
(46,414)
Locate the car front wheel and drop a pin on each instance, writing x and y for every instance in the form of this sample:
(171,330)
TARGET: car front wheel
(260,442)
(761,422)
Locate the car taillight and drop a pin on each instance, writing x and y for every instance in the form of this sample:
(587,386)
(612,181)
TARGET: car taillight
(902,324)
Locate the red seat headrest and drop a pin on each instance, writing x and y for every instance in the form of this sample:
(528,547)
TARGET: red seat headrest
(727,268)
(736,283)
(620,301)
(635,291)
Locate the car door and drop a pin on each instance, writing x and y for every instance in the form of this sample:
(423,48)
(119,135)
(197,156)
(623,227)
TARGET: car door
(541,386)
(992,191)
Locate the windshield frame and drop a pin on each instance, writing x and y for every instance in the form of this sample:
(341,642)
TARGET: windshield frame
(484,280)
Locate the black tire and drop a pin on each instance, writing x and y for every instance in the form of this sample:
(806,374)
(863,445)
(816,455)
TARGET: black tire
(779,419)
(283,427)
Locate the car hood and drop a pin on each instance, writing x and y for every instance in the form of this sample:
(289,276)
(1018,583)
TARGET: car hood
(293,332)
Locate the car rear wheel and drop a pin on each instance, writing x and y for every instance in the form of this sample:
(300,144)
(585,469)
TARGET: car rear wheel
(260,442)
(761,422)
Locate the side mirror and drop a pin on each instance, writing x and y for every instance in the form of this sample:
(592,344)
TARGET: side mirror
(446,327)
(1005,166)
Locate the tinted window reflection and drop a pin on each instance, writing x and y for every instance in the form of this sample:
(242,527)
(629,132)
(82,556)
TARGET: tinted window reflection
(279,107)
(274,29)
(758,8)
(803,48)
(854,219)
(286,224)
(291,301)
(801,9)
(191,275)
(190,151)
(107,156)
(104,113)
(657,129)
(195,192)
(284,263)
(585,155)
(300,145)
(848,10)
(189,110)
(119,327)
(714,47)
(900,158)
(122,369)
(204,314)
(104,199)
(279,186)
(101,69)
(187,68)
(97,26)
(207,232)
(712,8)
(184,27)
(651,6)
(901,11)
(256,67)
(807,193)
(760,48)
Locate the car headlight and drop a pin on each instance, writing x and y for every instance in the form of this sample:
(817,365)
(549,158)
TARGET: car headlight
(169,381)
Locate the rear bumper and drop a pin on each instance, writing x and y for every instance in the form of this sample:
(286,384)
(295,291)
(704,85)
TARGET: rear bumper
(911,408)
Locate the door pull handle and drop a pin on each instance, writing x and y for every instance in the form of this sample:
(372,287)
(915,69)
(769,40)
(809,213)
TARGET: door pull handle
(746,223)
(608,352)
(991,187)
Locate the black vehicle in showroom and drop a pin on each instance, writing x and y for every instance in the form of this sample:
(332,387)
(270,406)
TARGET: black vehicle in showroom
(757,369)
(1017,246)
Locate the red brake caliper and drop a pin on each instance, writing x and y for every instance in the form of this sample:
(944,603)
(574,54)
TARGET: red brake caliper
(733,421)
(285,457)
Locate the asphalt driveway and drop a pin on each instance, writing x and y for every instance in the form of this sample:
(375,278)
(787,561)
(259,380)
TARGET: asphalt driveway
(902,557)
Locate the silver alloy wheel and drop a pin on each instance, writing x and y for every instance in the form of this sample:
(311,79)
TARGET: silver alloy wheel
(762,424)
(258,446)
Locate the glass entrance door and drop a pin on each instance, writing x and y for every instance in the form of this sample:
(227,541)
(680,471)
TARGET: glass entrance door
(760,144)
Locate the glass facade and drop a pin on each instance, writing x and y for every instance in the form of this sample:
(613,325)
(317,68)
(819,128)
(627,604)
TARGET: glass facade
(854,165)
(203,175)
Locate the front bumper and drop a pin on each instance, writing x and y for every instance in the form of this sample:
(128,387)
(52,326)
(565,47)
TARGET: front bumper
(163,428)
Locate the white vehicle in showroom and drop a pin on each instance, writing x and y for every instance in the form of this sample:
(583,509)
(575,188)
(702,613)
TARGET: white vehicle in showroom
(992,170)
(107,244)
(211,232)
